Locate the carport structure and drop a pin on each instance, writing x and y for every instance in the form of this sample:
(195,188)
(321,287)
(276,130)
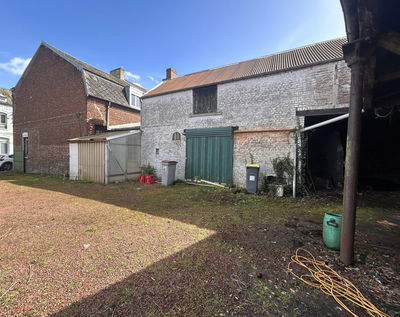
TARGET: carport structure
(373,54)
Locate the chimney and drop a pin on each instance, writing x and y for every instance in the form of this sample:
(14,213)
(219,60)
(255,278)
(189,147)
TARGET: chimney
(171,74)
(118,72)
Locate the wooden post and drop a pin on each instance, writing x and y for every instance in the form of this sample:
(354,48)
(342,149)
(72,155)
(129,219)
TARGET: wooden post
(353,55)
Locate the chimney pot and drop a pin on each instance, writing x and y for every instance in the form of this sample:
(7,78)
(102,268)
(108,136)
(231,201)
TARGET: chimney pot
(171,74)
(118,73)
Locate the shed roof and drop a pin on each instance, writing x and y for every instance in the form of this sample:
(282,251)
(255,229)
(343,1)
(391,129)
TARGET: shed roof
(309,55)
(98,83)
(102,137)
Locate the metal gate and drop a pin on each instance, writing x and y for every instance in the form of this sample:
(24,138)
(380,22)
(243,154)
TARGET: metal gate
(209,154)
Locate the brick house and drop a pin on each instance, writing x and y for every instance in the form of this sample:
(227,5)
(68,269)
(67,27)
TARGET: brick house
(216,121)
(59,97)
(6,122)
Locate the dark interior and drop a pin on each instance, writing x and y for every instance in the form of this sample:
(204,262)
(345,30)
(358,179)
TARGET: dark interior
(380,152)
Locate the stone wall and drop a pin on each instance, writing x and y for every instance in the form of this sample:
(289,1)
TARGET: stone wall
(263,109)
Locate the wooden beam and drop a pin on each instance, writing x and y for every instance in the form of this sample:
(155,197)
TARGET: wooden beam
(390,41)
(388,76)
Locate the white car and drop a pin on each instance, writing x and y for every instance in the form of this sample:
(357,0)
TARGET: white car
(6,162)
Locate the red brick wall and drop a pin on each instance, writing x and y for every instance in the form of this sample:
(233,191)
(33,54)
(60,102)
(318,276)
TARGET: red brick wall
(96,114)
(46,102)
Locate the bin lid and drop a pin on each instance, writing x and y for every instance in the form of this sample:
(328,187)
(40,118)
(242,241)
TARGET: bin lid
(253,165)
(167,162)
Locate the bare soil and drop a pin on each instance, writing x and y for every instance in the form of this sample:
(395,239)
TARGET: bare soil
(83,249)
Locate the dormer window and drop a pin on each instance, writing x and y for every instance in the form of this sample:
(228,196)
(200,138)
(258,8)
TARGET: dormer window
(132,98)
(135,101)
(3,98)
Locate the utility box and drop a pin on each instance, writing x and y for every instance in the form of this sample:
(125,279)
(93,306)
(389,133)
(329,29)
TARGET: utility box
(252,178)
(168,172)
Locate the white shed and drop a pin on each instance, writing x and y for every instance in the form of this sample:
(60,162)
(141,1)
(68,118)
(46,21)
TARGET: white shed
(106,157)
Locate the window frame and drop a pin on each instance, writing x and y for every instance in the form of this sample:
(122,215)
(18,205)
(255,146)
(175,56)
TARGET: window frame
(3,124)
(208,95)
(6,142)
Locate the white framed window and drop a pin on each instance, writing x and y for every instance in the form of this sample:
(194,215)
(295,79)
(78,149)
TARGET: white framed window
(135,101)
(3,98)
(4,146)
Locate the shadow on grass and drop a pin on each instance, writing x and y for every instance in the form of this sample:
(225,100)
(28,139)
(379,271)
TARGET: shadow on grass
(240,270)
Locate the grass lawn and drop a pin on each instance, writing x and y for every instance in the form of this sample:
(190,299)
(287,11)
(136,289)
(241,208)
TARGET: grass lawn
(82,249)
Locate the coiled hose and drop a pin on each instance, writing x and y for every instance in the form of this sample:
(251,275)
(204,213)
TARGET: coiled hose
(330,282)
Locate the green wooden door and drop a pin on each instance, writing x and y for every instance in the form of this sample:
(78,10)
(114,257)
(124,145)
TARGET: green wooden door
(209,154)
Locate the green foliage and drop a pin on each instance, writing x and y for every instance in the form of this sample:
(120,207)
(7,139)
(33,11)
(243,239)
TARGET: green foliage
(283,168)
(148,169)
(302,142)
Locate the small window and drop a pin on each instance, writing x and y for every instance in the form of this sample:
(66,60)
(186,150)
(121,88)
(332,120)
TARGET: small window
(3,147)
(3,119)
(99,129)
(138,102)
(176,136)
(135,101)
(205,100)
(3,98)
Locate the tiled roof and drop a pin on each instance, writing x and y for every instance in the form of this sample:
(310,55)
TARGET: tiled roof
(299,57)
(98,83)
(6,93)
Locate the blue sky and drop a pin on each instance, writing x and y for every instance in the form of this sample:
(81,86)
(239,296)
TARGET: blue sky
(146,37)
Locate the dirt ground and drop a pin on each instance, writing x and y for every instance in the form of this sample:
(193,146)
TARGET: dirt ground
(82,249)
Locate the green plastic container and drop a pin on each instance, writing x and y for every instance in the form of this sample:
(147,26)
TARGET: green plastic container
(331,230)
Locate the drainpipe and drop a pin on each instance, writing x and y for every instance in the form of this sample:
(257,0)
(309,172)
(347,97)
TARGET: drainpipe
(294,166)
(108,116)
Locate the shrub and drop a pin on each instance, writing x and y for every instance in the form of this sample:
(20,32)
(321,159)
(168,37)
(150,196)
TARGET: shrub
(148,169)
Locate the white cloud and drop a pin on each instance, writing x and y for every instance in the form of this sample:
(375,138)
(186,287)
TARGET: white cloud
(153,79)
(130,76)
(16,65)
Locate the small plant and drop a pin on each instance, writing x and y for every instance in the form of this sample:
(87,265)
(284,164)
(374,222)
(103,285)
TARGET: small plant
(148,169)
(283,168)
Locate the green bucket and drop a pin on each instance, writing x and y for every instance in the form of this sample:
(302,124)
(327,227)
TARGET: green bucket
(331,230)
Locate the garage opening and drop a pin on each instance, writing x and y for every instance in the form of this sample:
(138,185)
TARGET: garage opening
(326,148)
(379,152)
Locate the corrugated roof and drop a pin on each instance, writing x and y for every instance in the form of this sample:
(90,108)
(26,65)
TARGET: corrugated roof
(102,136)
(98,83)
(6,93)
(295,58)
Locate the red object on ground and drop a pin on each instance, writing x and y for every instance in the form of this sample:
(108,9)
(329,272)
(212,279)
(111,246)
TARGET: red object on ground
(142,179)
(150,179)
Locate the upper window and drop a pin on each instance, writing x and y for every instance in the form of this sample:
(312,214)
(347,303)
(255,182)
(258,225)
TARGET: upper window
(205,100)
(138,102)
(135,101)
(3,98)
(3,120)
